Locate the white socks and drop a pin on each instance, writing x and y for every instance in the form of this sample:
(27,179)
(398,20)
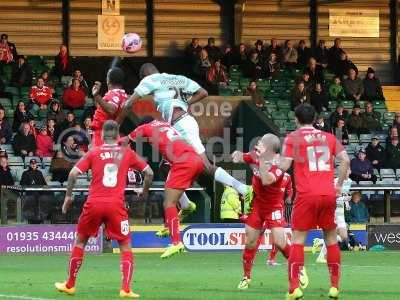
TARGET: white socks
(223,177)
(184,201)
(323,252)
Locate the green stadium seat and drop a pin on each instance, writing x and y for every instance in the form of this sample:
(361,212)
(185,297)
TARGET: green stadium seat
(13,90)
(332,105)
(290,115)
(379,105)
(361,103)
(325,114)
(284,105)
(244,82)
(353,138)
(290,126)
(280,115)
(365,138)
(389,116)
(348,104)
(222,91)
(281,124)
(15,161)
(387,173)
(5,102)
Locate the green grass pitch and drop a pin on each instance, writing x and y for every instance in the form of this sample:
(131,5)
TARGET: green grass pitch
(202,276)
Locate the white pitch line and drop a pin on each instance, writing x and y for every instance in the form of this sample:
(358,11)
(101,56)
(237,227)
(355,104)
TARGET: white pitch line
(22,297)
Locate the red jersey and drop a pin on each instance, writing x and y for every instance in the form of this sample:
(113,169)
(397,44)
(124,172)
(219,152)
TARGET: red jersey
(116,97)
(313,153)
(166,139)
(40,95)
(270,195)
(109,165)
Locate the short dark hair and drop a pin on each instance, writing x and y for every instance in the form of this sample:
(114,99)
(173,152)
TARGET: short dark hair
(111,129)
(4,36)
(116,76)
(305,114)
(146,69)
(145,120)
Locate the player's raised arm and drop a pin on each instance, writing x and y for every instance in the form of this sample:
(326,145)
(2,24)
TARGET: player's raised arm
(198,96)
(108,107)
(286,159)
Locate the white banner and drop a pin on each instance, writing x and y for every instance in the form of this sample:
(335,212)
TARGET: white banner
(353,22)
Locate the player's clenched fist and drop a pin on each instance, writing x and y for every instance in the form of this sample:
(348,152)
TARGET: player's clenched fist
(96,88)
(237,156)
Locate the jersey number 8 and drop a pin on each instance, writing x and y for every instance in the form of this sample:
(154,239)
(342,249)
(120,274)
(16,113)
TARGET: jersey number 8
(110,175)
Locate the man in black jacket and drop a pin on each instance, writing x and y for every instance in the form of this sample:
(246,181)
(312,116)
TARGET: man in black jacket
(375,153)
(5,172)
(24,143)
(33,176)
(21,74)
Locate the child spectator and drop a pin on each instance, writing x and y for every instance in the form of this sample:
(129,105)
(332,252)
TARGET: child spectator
(5,128)
(47,82)
(358,212)
(51,128)
(336,90)
(40,94)
(24,143)
(375,153)
(74,97)
(44,143)
(372,86)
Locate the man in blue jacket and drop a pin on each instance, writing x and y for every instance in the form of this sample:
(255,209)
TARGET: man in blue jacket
(361,168)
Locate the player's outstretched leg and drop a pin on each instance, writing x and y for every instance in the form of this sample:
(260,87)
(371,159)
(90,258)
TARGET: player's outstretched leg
(75,262)
(187,207)
(172,197)
(127,268)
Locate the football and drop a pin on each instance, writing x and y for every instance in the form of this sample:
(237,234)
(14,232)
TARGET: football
(131,42)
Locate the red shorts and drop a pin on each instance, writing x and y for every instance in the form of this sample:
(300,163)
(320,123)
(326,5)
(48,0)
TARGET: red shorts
(265,217)
(114,217)
(182,174)
(97,139)
(313,211)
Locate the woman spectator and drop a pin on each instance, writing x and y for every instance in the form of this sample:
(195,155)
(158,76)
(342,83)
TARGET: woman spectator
(319,99)
(55,112)
(252,66)
(21,74)
(289,54)
(216,76)
(44,143)
(202,65)
(303,54)
(372,87)
(74,96)
(341,132)
(255,94)
(272,66)
(21,115)
(299,95)
(62,64)
(24,143)
(240,55)
(315,71)
(336,90)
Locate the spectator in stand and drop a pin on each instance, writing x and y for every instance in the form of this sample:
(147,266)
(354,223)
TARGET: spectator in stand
(24,143)
(74,97)
(339,113)
(271,67)
(63,65)
(229,57)
(87,126)
(371,118)
(55,112)
(305,77)
(341,132)
(274,48)
(375,153)
(320,124)
(353,86)
(396,121)
(315,71)
(78,75)
(259,48)
(5,172)
(217,76)
(393,134)
(319,99)
(40,95)
(358,212)
(69,122)
(392,154)
(299,95)
(334,53)
(213,51)
(240,56)
(289,54)
(32,127)
(51,128)
(321,55)
(355,121)
(192,51)
(33,176)
(303,54)
(47,81)
(336,90)
(372,87)
(11,47)
(44,143)
(343,66)
(5,128)
(255,94)
(252,67)
(202,65)
(21,74)
(361,168)
(21,115)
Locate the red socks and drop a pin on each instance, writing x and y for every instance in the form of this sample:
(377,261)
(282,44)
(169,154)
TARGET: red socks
(286,251)
(295,263)
(333,259)
(172,223)
(273,252)
(75,263)
(127,268)
(248,259)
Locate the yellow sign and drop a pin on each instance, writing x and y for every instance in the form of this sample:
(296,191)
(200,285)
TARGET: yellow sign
(110,7)
(110,32)
(354,22)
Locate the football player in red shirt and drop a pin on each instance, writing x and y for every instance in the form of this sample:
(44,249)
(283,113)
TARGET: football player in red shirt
(109,106)
(105,204)
(185,166)
(312,153)
(267,210)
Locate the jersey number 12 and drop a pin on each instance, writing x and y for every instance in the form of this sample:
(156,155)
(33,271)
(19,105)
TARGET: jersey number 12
(318,158)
